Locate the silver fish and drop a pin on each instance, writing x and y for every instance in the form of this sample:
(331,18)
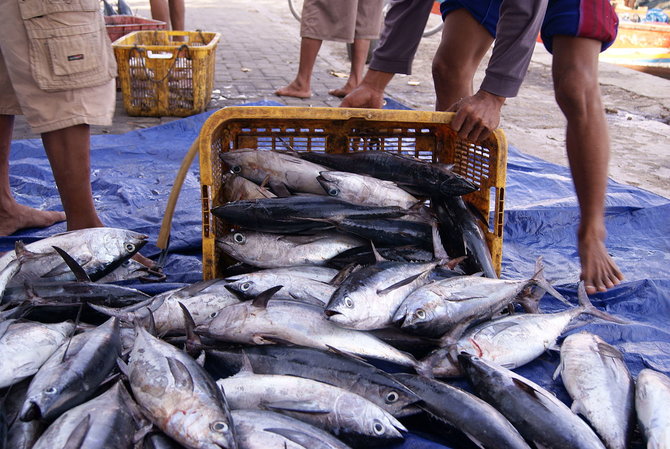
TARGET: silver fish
(602,389)
(25,346)
(259,429)
(73,373)
(103,422)
(262,249)
(282,171)
(179,397)
(369,297)
(266,322)
(293,285)
(365,190)
(235,188)
(331,408)
(652,396)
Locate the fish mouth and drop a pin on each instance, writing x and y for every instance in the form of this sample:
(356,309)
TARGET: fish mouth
(331,313)
(30,412)
(457,186)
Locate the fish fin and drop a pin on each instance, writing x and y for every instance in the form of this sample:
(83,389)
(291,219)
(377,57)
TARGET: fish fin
(78,435)
(296,436)
(246,367)
(557,371)
(540,281)
(523,386)
(474,440)
(262,299)
(182,378)
(296,406)
(378,257)
(589,308)
(306,298)
(123,367)
(402,283)
(577,408)
(279,188)
(438,248)
(607,350)
(347,354)
(261,339)
(79,273)
(193,345)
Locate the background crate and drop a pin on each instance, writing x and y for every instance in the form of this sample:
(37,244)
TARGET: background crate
(425,135)
(166,73)
(120,25)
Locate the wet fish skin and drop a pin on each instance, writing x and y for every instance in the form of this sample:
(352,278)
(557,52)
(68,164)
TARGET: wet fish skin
(72,374)
(235,188)
(597,379)
(259,429)
(295,287)
(179,397)
(260,249)
(25,346)
(102,422)
(652,396)
(345,414)
(20,435)
(364,189)
(275,321)
(480,421)
(536,413)
(329,366)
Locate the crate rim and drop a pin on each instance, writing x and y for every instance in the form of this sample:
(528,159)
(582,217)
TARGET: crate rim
(211,44)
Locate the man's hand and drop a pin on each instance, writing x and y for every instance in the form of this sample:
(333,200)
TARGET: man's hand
(477,116)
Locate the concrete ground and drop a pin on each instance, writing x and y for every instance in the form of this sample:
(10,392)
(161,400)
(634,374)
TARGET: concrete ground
(258,53)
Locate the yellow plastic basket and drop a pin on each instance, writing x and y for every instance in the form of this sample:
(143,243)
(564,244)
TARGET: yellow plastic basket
(166,73)
(425,135)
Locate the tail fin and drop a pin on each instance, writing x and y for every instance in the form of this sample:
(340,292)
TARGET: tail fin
(539,280)
(587,307)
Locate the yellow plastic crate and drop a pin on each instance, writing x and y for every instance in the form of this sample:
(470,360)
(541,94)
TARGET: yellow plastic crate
(166,73)
(425,135)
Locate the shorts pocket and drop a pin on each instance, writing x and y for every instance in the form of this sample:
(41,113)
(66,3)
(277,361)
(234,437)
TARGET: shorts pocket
(69,50)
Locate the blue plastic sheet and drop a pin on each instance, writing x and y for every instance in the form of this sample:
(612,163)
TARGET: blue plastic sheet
(132,175)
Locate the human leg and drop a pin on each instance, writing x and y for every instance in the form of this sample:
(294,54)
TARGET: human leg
(160,10)
(300,87)
(359,54)
(177,14)
(14,216)
(457,58)
(575,73)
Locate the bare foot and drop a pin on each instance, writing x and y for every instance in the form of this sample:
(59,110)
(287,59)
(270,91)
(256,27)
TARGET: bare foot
(19,217)
(342,92)
(295,89)
(363,97)
(599,271)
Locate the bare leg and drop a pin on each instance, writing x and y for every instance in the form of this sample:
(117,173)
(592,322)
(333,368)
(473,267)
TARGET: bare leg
(359,53)
(457,58)
(575,73)
(160,10)
(177,14)
(300,87)
(13,216)
(370,93)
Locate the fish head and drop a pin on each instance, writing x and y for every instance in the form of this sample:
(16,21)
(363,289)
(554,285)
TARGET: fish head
(244,287)
(203,428)
(419,314)
(344,308)
(457,185)
(330,183)
(382,425)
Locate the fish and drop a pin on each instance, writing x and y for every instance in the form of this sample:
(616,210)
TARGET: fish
(178,395)
(102,422)
(347,415)
(652,396)
(510,341)
(477,419)
(128,270)
(262,249)
(235,188)
(329,366)
(455,303)
(365,190)
(393,232)
(260,429)
(97,250)
(282,172)
(535,412)
(596,377)
(72,373)
(293,285)
(265,321)
(20,434)
(369,297)
(25,346)
(414,175)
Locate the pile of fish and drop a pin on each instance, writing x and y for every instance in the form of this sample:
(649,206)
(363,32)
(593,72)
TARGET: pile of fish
(316,338)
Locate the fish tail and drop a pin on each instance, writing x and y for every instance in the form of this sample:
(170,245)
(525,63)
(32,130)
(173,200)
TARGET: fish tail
(539,280)
(588,307)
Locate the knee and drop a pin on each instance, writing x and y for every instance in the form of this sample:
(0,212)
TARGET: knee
(576,91)
(447,73)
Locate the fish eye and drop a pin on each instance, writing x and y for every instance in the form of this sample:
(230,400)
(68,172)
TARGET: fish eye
(238,237)
(51,390)
(333,191)
(378,427)
(219,426)
(130,247)
(392,397)
(213,314)
(348,302)
(236,169)
(421,314)
(246,286)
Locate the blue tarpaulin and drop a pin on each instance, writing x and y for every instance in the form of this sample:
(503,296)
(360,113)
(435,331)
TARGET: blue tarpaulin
(132,175)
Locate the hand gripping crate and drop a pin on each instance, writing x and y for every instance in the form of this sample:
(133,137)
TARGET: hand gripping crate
(425,135)
(120,25)
(166,73)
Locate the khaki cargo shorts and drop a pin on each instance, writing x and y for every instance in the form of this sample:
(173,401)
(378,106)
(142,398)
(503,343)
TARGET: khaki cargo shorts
(57,65)
(341,20)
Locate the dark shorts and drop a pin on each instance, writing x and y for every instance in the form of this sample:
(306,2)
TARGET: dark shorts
(592,19)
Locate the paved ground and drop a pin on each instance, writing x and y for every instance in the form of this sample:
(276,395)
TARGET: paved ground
(258,53)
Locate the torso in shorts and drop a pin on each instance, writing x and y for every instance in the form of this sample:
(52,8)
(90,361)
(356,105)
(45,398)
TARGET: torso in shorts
(593,19)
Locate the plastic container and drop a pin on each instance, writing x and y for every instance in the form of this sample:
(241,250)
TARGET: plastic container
(120,25)
(425,135)
(166,73)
